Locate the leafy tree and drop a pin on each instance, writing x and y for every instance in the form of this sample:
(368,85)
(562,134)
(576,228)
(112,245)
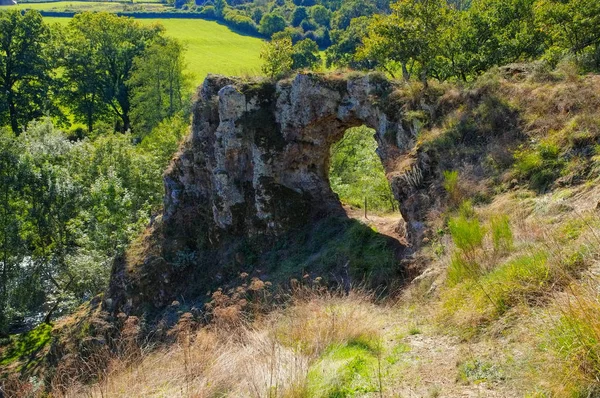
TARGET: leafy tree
(321,15)
(115,41)
(83,79)
(305,55)
(271,23)
(277,57)
(158,84)
(25,67)
(299,15)
(412,33)
(572,25)
(220,6)
(12,247)
(257,15)
(350,10)
(345,44)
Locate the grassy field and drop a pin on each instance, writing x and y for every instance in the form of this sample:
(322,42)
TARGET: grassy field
(211,48)
(79,6)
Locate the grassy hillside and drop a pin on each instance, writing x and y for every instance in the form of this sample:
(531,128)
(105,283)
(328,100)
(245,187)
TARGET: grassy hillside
(507,303)
(211,47)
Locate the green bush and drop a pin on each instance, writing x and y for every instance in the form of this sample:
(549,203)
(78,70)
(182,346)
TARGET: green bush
(461,269)
(467,233)
(540,165)
(502,236)
(451,186)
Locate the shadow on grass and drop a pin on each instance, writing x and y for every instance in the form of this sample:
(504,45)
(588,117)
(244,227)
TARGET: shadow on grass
(25,347)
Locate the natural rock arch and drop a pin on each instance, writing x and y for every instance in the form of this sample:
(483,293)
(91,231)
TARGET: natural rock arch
(255,166)
(259,152)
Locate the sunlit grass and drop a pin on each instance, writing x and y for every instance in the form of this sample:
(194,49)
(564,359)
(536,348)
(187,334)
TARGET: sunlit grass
(211,47)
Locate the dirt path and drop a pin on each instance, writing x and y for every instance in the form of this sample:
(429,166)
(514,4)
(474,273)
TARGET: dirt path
(385,224)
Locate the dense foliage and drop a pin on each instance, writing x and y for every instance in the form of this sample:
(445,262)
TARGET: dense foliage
(436,38)
(356,173)
(72,200)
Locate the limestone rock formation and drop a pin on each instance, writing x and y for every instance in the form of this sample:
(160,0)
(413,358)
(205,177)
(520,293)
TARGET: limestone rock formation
(258,156)
(255,166)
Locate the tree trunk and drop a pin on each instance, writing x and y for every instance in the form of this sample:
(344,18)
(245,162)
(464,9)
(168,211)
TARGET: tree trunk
(12,109)
(405,73)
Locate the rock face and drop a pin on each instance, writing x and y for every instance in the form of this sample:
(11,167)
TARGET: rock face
(256,166)
(258,157)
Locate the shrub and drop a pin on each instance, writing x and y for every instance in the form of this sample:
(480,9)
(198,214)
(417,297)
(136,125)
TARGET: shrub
(540,165)
(451,186)
(575,338)
(467,233)
(460,269)
(207,12)
(240,22)
(502,236)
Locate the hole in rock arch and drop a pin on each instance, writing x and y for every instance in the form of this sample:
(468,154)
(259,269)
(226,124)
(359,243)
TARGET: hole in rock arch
(357,176)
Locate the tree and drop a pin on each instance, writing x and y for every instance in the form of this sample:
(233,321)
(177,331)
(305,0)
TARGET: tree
(277,57)
(83,79)
(572,25)
(25,68)
(350,10)
(299,15)
(410,34)
(220,6)
(321,15)
(112,42)
(271,23)
(345,44)
(305,54)
(12,247)
(157,83)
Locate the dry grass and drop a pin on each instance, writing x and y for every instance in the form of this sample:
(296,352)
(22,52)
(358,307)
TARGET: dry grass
(269,357)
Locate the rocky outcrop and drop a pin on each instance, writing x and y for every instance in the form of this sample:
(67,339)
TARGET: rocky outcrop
(258,157)
(256,166)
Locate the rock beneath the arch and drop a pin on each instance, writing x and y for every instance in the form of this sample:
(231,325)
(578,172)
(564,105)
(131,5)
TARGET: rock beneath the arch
(255,166)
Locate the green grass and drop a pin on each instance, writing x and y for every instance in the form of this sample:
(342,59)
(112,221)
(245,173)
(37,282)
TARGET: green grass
(344,371)
(24,346)
(211,48)
(80,6)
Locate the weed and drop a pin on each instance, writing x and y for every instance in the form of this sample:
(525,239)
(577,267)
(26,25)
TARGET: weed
(477,371)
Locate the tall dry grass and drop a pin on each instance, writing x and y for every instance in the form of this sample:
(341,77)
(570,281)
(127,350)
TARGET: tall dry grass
(269,356)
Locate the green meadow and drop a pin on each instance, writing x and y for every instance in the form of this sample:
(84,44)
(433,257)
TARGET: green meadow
(211,47)
(79,6)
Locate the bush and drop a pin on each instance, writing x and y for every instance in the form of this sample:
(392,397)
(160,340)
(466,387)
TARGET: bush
(207,12)
(541,165)
(451,186)
(271,24)
(502,236)
(240,22)
(467,234)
